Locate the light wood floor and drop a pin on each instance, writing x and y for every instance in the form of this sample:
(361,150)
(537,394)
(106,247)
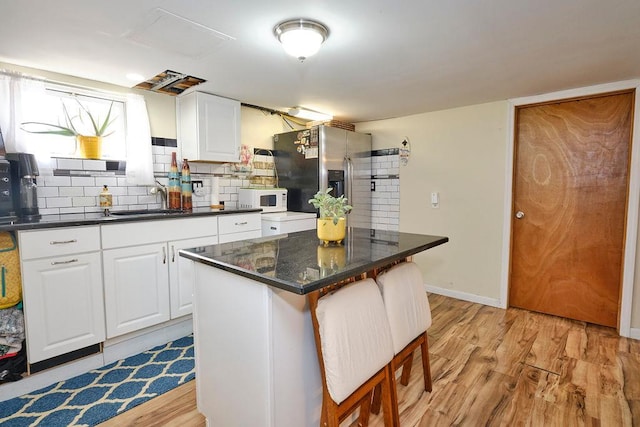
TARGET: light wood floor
(490,367)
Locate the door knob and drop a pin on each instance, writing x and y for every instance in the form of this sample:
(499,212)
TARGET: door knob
(519,214)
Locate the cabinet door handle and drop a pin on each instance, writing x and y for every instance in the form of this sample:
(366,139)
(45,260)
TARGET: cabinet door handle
(242,223)
(62,242)
(164,255)
(273,228)
(64,262)
(173,253)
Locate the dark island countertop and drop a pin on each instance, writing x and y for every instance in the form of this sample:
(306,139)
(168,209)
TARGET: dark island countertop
(299,263)
(80,219)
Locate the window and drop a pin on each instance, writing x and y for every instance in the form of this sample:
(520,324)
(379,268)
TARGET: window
(72,110)
(25,99)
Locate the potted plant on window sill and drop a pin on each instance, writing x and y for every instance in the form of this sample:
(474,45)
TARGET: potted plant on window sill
(88,146)
(332,223)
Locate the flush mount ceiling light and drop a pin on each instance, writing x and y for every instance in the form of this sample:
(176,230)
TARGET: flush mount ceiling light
(304,113)
(301,38)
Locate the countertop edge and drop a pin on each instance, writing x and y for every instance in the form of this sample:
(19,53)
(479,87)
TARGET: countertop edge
(318,284)
(77,222)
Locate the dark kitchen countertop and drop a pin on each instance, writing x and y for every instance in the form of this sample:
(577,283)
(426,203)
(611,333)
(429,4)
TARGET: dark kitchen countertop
(70,220)
(298,263)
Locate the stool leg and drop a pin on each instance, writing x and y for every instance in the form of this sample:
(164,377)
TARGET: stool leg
(406,369)
(426,365)
(365,407)
(377,399)
(390,399)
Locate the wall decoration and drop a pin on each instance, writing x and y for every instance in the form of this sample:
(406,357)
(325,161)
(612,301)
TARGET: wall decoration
(405,151)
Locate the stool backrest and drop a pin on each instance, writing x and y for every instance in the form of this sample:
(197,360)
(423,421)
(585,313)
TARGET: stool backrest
(355,337)
(406,303)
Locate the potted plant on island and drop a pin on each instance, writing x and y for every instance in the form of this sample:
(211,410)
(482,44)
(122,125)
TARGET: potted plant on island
(332,223)
(89,146)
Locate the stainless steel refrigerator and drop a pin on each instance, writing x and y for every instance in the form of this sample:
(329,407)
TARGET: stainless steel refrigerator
(314,159)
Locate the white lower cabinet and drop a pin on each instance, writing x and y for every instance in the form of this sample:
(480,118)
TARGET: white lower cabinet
(136,287)
(62,290)
(145,280)
(83,285)
(232,228)
(181,276)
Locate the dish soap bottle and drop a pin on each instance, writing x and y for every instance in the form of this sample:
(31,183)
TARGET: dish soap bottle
(106,200)
(187,199)
(174,189)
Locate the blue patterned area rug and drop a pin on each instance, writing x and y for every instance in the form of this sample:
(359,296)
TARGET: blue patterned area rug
(94,397)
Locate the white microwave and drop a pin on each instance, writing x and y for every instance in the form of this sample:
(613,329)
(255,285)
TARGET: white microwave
(267,199)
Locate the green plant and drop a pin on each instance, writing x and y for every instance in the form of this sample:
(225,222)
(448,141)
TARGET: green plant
(330,207)
(69,128)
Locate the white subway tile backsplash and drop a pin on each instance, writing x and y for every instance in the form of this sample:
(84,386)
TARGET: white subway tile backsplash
(127,200)
(385,202)
(47,191)
(138,191)
(58,202)
(109,181)
(82,181)
(94,165)
(56,181)
(76,194)
(72,210)
(48,211)
(84,201)
(70,191)
(72,164)
(148,199)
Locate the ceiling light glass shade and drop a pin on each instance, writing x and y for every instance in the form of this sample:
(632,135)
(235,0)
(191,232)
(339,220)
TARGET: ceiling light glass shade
(303,113)
(301,38)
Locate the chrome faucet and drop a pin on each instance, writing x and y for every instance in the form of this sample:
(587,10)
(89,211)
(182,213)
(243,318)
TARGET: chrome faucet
(163,193)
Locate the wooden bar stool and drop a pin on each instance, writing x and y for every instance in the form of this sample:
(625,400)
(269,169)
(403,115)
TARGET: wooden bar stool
(409,314)
(354,345)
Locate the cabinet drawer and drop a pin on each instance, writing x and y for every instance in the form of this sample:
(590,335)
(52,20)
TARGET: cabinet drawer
(228,224)
(59,241)
(146,232)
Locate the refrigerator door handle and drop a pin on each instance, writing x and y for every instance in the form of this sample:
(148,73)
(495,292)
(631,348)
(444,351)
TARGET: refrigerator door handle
(349,179)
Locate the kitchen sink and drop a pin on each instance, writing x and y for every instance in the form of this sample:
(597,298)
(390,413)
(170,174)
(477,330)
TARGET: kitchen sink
(144,212)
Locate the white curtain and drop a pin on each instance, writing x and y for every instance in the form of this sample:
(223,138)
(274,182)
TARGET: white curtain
(19,98)
(139,155)
(25,99)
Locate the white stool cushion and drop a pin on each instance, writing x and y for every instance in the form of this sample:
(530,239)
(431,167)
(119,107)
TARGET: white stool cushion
(406,303)
(354,335)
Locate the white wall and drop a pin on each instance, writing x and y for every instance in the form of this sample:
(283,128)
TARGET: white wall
(461,154)
(257,127)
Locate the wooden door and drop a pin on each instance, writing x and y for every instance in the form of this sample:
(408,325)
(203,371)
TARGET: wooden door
(570,197)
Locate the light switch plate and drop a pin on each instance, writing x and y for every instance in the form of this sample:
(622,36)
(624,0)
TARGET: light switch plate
(435,199)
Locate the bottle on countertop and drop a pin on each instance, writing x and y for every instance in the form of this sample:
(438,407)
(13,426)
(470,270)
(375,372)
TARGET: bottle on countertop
(174,191)
(106,200)
(187,199)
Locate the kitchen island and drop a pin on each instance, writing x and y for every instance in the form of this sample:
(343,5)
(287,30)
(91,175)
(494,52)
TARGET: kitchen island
(256,361)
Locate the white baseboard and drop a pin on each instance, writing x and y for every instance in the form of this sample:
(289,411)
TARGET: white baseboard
(464,296)
(634,333)
(115,349)
(139,341)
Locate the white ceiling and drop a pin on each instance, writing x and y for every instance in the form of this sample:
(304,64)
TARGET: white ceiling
(382,58)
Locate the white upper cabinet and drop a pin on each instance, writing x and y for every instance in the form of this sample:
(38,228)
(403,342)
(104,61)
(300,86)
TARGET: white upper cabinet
(208,127)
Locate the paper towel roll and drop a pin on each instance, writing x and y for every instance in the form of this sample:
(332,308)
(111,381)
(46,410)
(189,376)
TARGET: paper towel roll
(215,189)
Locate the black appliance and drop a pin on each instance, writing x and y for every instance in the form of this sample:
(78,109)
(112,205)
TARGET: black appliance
(315,159)
(24,170)
(6,192)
